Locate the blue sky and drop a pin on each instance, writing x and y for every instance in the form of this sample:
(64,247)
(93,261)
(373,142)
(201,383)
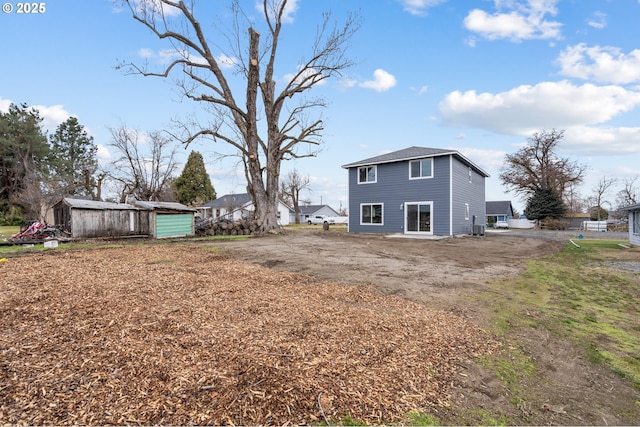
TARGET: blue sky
(475,76)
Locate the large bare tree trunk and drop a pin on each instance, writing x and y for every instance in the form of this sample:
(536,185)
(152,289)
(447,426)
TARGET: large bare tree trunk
(204,80)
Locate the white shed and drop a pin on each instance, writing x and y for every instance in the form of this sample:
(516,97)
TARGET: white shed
(634,224)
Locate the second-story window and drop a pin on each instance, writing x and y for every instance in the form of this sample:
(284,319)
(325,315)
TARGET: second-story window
(366,174)
(421,169)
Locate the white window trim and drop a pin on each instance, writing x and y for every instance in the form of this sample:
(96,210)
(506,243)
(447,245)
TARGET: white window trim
(375,169)
(371,204)
(466,211)
(635,219)
(422,233)
(421,177)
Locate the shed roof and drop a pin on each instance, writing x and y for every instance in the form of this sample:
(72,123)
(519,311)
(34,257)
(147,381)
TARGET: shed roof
(96,204)
(413,153)
(631,208)
(172,206)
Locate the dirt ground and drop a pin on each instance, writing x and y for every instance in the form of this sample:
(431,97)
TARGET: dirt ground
(447,274)
(229,332)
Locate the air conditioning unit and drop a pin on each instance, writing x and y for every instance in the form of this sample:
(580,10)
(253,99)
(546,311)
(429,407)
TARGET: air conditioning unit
(478,230)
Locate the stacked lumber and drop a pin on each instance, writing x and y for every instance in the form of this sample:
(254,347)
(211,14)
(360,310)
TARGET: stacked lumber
(227,228)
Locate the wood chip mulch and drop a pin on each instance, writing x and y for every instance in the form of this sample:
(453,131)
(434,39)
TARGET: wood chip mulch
(170,334)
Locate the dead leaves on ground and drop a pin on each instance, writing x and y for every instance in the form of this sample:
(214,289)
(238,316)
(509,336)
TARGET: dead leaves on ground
(169,334)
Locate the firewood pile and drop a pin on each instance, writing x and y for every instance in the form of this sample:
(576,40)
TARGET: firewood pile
(182,335)
(211,227)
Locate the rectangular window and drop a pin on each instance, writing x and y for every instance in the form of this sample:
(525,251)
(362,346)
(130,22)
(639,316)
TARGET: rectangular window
(366,174)
(371,213)
(466,211)
(636,222)
(470,175)
(421,169)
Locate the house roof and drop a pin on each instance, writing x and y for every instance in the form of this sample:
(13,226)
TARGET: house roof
(311,209)
(98,205)
(412,153)
(173,206)
(499,207)
(235,200)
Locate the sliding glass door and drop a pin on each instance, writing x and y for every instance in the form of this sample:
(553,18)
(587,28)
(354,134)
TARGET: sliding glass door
(417,217)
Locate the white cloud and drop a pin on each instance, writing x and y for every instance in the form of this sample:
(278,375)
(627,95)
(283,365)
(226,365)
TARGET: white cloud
(598,20)
(489,160)
(226,61)
(602,140)
(419,7)
(156,7)
(309,72)
(348,82)
(518,21)
(420,90)
(103,154)
(382,81)
(527,109)
(52,116)
(605,64)
(289,9)
(166,56)
(4,105)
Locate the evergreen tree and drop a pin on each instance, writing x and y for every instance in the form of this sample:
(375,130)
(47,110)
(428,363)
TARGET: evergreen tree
(72,161)
(23,148)
(194,184)
(545,203)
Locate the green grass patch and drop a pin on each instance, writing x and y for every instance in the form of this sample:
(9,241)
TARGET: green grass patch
(6,231)
(483,417)
(420,419)
(575,295)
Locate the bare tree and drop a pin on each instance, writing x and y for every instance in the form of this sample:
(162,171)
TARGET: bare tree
(630,193)
(145,176)
(536,167)
(267,130)
(290,189)
(599,191)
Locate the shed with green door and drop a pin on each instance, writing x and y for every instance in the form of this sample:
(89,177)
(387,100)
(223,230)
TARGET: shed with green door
(169,219)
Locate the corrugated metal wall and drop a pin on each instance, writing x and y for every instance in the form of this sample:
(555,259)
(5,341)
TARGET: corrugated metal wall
(173,225)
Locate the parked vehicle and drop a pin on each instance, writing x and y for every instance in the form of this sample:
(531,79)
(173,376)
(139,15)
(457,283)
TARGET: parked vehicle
(501,224)
(320,219)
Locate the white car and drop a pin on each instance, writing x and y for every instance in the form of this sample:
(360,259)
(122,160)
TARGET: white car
(501,224)
(320,219)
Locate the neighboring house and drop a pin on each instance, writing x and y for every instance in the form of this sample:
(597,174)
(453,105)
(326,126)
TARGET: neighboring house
(169,219)
(422,191)
(575,220)
(634,223)
(499,211)
(89,218)
(238,206)
(312,210)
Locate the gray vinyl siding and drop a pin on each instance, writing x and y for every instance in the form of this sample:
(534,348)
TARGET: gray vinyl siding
(393,188)
(464,192)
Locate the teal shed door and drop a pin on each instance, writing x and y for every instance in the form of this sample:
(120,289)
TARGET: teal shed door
(174,225)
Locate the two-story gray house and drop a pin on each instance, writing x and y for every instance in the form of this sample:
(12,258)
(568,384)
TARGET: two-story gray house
(422,191)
